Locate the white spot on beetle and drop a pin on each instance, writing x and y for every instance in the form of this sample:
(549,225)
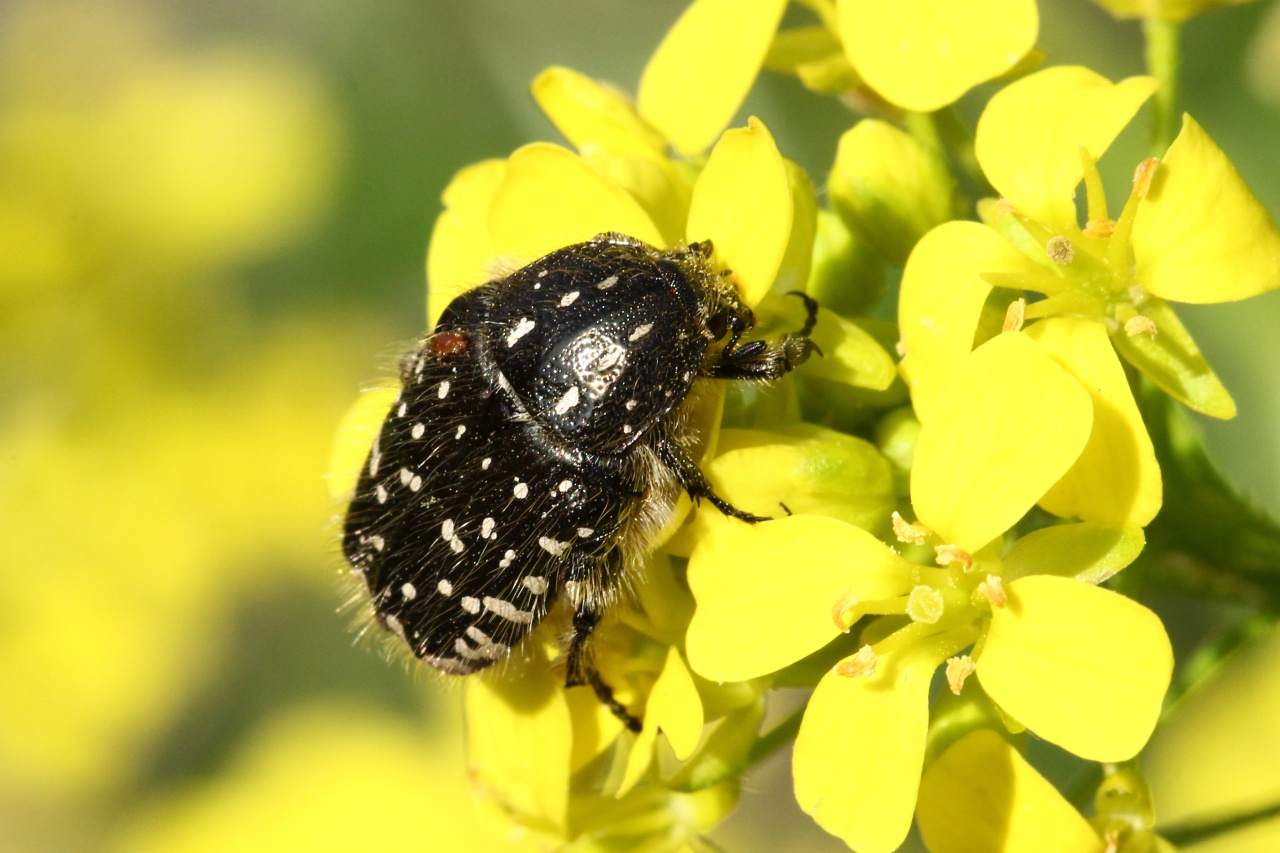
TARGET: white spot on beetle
(445,587)
(486,528)
(626,429)
(536,584)
(485,463)
(507,610)
(444,390)
(375,456)
(462,429)
(418,430)
(394,624)
(521,491)
(607,283)
(543,273)
(554,547)
(568,401)
(566,485)
(409,591)
(404,407)
(640,331)
(471,605)
(447,530)
(456,545)
(569,298)
(586,532)
(380,493)
(415,483)
(507,559)
(405,476)
(523,327)
(377,542)
(631,404)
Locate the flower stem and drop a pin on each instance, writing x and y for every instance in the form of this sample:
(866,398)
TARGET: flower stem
(1192,831)
(777,737)
(1163,59)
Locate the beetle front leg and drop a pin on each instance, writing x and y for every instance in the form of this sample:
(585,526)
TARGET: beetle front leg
(695,482)
(766,360)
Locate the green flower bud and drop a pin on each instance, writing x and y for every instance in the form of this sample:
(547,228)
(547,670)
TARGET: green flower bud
(889,187)
(847,275)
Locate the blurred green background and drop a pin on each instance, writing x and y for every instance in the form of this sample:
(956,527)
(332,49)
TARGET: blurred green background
(213,219)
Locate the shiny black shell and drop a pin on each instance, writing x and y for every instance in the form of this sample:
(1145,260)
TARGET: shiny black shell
(518,463)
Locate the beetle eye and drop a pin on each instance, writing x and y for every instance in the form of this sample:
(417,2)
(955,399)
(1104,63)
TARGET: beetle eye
(718,325)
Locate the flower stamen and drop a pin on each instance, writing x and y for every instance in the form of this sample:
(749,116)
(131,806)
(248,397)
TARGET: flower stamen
(1015,315)
(993,590)
(911,534)
(1141,324)
(959,668)
(842,612)
(860,665)
(948,554)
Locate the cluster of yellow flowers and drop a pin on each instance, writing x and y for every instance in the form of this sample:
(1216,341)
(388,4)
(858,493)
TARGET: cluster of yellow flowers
(1014,330)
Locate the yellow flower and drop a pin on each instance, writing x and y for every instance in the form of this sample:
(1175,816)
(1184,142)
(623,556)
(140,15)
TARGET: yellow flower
(1080,666)
(1190,231)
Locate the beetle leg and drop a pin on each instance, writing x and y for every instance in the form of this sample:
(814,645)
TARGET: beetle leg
(579,669)
(695,482)
(766,360)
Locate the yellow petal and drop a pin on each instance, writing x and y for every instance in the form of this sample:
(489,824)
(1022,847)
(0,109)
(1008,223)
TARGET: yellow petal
(825,473)
(675,706)
(1009,426)
(1086,551)
(355,435)
(1200,234)
(658,185)
(742,203)
(590,113)
(890,187)
(749,621)
(1116,480)
(941,300)
(981,796)
(549,198)
(519,739)
(705,66)
(1030,135)
(858,755)
(1173,361)
(925,54)
(1081,666)
(639,757)
(461,254)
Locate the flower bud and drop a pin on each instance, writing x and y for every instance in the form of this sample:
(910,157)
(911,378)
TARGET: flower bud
(890,188)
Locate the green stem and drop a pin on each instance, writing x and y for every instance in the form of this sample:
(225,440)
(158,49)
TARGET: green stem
(1192,831)
(777,737)
(1163,59)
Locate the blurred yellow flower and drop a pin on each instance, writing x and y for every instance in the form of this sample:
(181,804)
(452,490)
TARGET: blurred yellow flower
(1165,10)
(325,778)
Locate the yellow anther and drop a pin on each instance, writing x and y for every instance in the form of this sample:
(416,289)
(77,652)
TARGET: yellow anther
(1099,228)
(1015,315)
(1141,325)
(1142,176)
(993,589)
(958,669)
(912,534)
(948,554)
(1003,207)
(1060,250)
(842,612)
(860,665)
